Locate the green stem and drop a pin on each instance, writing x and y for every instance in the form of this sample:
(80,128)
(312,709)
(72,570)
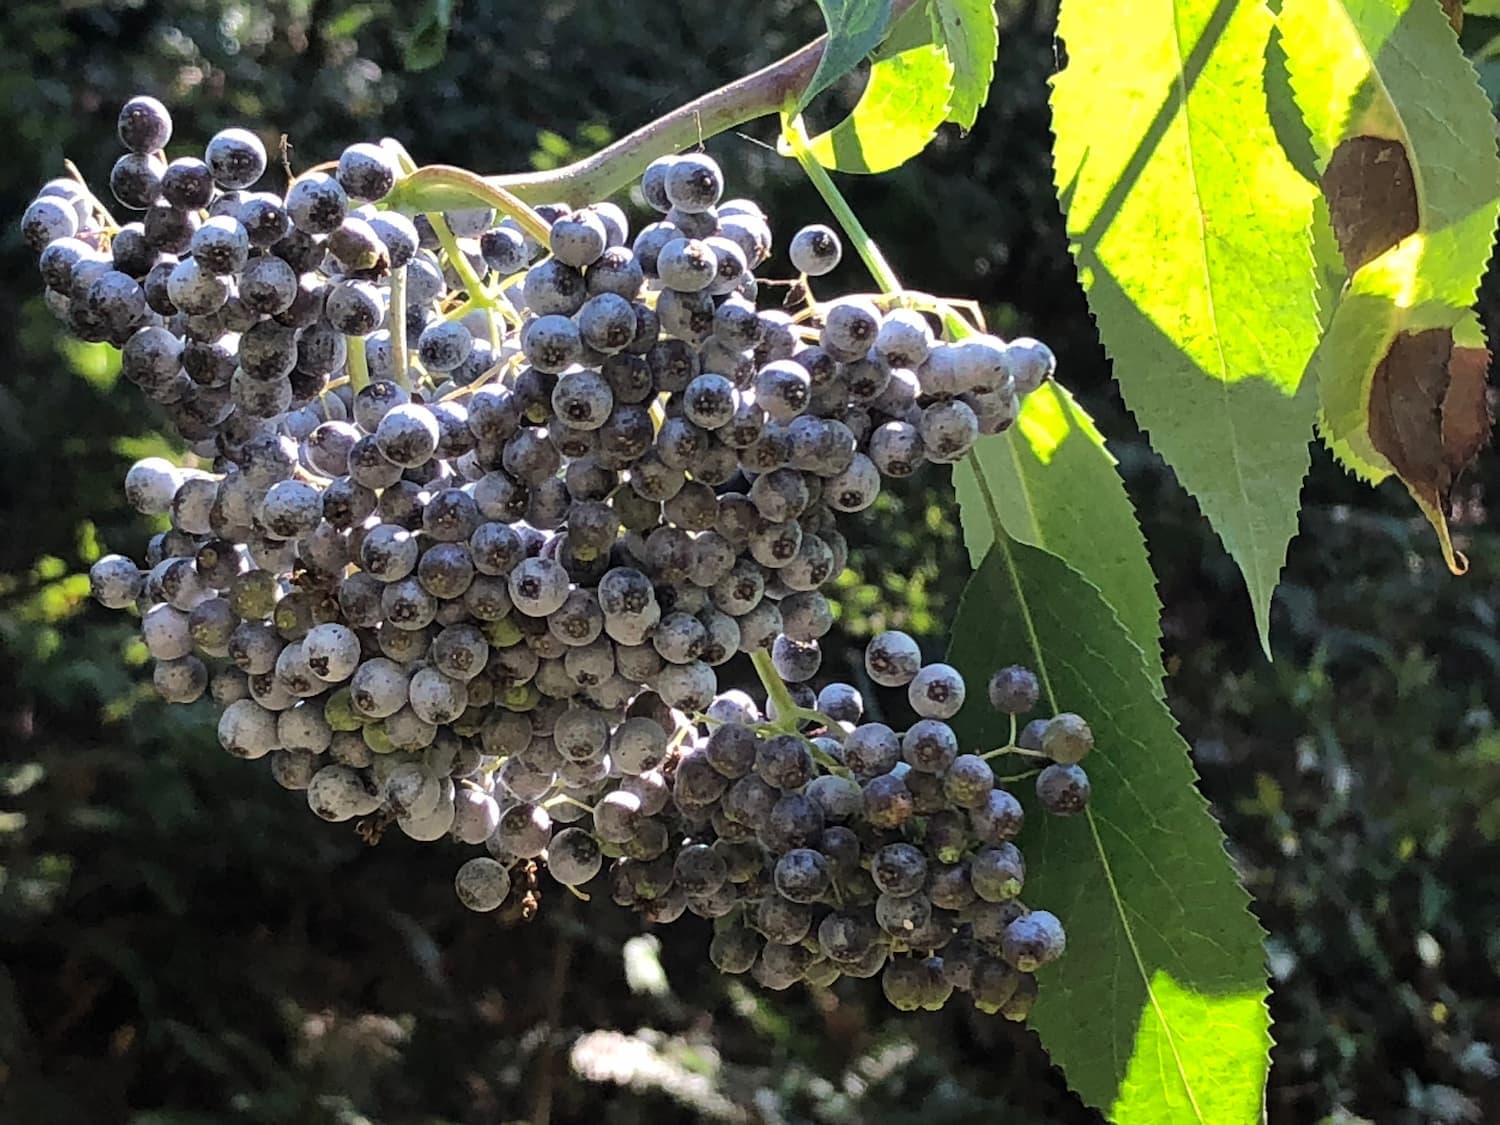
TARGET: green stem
(565,799)
(1017,776)
(776,691)
(398,326)
(826,760)
(815,716)
(427,184)
(1013,749)
(472,282)
(865,246)
(458,312)
(796,139)
(359,367)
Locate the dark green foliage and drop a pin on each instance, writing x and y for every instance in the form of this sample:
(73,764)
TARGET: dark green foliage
(181,942)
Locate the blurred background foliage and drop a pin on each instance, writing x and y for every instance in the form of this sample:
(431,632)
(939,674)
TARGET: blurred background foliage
(182,943)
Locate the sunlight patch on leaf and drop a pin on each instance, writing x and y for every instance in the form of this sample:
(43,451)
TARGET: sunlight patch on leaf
(904,102)
(1190,227)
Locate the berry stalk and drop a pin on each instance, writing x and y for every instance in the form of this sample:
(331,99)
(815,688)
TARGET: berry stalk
(869,253)
(865,246)
(359,368)
(398,327)
(787,710)
(473,283)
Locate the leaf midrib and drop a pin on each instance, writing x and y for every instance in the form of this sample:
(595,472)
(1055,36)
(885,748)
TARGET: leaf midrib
(1252,557)
(1001,542)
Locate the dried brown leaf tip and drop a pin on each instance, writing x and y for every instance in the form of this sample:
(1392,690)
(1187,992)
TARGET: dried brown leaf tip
(1372,197)
(1430,417)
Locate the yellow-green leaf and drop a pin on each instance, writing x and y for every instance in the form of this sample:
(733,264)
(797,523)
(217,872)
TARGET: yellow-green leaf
(1190,227)
(904,102)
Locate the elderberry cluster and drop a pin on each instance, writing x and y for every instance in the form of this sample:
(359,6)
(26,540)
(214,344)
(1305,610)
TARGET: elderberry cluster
(472,520)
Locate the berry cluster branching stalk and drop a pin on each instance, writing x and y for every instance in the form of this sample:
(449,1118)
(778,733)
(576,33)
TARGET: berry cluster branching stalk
(776,690)
(473,284)
(869,253)
(789,715)
(474,188)
(359,367)
(398,326)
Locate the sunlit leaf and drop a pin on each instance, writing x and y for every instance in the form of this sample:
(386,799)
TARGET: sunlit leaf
(1405,154)
(1190,227)
(1050,482)
(904,102)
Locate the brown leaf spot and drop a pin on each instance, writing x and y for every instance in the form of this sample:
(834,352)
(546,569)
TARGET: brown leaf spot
(1372,197)
(1430,417)
(1454,10)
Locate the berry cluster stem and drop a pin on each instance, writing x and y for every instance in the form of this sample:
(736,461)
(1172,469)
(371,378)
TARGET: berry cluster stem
(472,282)
(359,367)
(433,178)
(398,326)
(885,277)
(869,253)
(787,711)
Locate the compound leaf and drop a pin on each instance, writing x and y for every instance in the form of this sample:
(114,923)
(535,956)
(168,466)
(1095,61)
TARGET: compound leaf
(1157,1011)
(969,31)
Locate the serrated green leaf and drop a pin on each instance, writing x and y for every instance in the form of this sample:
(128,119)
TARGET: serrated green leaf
(1190,228)
(1156,1013)
(904,102)
(854,29)
(970,32)
(427,42)
(1392,71)
(913,29)
(1050,482)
